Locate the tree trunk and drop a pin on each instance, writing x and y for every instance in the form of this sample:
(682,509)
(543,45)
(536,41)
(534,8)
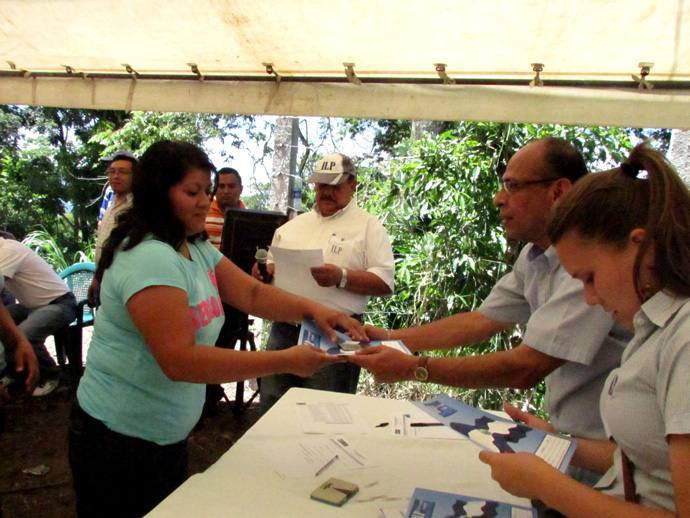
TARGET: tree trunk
(421,128)
(679,153)
(280,176)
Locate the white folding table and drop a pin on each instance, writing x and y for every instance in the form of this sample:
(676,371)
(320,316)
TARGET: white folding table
(244,483)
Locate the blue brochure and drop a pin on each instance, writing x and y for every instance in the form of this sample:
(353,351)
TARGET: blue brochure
(310,334)
(498,434)
(426,503)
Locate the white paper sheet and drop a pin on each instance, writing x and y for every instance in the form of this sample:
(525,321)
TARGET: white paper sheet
(301,459)
(292,271)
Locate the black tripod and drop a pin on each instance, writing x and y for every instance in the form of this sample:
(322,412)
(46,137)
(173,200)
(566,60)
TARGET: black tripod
(245,338)
(236,330)
(244,231)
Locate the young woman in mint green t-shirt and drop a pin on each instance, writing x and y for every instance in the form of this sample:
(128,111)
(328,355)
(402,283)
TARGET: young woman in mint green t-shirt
(162,289)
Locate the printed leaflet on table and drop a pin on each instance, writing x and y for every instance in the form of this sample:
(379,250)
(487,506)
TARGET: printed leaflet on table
(497,434)
(426,503)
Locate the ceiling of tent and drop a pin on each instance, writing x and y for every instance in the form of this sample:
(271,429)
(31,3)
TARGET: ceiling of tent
(212,56)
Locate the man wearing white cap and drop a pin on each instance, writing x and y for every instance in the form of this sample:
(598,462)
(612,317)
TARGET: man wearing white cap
(358,263)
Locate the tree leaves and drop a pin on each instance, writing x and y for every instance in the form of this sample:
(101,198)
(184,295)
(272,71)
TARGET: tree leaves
(52,178)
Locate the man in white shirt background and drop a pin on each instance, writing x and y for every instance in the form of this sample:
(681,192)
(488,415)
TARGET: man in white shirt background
(358,263)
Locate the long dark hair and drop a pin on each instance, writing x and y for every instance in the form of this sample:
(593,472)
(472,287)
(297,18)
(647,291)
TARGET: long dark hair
(163,165)
(607,206)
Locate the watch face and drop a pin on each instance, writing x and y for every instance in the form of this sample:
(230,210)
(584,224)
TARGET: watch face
(421,374)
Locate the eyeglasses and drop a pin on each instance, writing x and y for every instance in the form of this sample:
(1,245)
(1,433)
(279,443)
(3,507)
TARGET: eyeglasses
(511,186)
(119,170)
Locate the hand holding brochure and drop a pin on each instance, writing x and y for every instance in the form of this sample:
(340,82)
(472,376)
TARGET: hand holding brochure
(426,503)
(310,334)
(497,434)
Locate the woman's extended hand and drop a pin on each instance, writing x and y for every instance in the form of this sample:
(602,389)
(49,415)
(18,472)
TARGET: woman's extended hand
(305,360)
(328,319)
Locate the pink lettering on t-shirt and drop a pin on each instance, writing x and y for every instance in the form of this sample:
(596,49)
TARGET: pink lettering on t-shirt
(195,320)
(216,306)
(212,276)
(205,313)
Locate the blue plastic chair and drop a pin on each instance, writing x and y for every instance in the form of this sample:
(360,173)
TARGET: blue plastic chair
(78,278)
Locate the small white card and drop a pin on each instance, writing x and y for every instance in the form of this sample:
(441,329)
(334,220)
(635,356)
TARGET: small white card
(329,418)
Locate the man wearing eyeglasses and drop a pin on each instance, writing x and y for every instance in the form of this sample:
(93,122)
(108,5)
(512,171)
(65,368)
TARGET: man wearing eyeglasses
(569,344)
(119,167)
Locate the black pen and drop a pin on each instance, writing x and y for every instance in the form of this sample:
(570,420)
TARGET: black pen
(323,468)
(420,425)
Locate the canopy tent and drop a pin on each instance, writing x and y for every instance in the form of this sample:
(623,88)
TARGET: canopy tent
(408,59)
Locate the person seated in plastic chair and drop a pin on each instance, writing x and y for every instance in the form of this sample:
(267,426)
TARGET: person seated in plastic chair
(44,304)
(17,357)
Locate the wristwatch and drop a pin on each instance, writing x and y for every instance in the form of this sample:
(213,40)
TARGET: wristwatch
(343,279)
(421,373)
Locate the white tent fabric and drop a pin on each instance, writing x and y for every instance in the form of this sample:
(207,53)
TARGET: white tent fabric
(211,56)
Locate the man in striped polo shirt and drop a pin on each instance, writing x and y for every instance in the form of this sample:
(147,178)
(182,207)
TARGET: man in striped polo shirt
(227,196)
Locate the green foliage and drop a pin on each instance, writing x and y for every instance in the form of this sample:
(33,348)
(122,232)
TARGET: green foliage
(49,174)
(259,200)
(46,245)
(448,245)
(29,192)
(10,124)
(393,136)
(388,133)
(141,129)
(51,177)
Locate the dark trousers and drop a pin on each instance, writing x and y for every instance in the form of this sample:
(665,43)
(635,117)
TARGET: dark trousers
(339,377)
(118,475)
